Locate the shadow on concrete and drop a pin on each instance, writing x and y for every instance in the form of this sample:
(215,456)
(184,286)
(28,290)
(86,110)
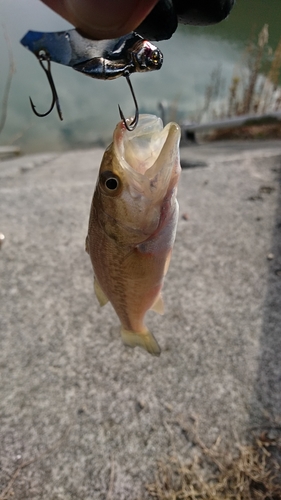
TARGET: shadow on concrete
(265,412)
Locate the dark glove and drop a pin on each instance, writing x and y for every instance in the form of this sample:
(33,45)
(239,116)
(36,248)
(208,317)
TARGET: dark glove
(163,20)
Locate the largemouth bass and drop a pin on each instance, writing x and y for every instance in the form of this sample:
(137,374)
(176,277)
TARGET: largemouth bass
(132,224)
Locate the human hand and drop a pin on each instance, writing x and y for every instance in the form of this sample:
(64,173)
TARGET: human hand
(102,19)
(153,19)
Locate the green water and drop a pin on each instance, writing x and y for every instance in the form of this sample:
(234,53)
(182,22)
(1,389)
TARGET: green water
(89,106)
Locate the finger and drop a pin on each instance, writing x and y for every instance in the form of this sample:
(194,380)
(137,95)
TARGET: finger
(103,19)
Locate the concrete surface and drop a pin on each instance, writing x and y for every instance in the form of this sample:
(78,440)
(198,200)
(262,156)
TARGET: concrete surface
(81,416)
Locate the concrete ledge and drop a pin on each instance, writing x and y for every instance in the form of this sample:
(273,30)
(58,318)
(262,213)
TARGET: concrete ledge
(74,402)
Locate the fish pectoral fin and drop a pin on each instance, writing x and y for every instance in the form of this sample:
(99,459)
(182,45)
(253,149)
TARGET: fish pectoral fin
(158,305)
(102,298)
(167,263)
(145,340)
(87,244)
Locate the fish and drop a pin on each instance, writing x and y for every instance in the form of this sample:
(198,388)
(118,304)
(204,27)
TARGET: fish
(132,224)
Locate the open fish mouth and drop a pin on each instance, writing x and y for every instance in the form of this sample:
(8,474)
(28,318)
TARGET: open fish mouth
(148,156)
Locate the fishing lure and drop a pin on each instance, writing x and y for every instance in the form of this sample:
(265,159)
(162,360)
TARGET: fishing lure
(102,59)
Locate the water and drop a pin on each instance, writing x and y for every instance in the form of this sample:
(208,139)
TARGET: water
(90,106)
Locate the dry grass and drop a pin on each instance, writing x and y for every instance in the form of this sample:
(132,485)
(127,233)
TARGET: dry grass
(254,90)
(4,104)
(252,473)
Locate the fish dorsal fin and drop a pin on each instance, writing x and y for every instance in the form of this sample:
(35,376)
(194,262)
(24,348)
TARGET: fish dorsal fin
(158,305)
(144,339)
(102,298)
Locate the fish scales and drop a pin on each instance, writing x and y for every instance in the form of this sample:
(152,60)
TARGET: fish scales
(133,222)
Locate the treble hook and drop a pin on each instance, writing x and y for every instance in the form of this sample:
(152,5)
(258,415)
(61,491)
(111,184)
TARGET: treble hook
(43,56)
(131,126)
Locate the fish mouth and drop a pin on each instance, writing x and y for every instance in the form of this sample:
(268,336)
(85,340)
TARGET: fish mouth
(149,156)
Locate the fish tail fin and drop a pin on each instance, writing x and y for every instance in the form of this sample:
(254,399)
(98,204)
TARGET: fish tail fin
(142,339)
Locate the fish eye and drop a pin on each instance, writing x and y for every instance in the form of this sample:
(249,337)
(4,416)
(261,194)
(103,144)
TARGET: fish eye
(110,182)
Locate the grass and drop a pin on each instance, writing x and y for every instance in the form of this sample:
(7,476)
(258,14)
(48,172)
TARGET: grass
(254,90)
(4,103)
(253,472)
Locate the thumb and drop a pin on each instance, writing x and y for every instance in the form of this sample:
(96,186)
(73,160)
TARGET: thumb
(101,19)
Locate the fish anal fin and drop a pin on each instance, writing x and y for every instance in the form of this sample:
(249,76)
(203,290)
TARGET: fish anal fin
(102,298)
(145,340)
(158,305)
